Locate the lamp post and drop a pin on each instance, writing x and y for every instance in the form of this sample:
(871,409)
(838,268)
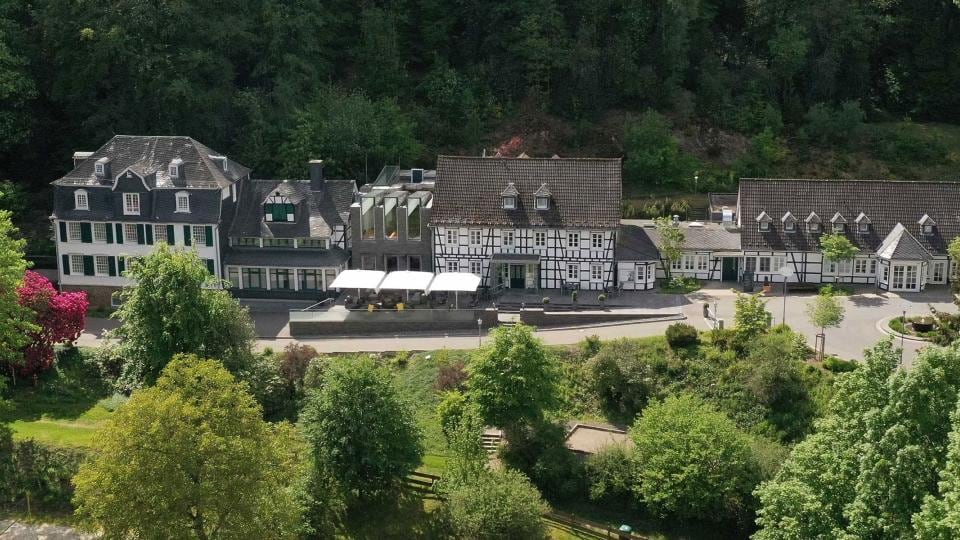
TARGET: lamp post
(479,329)
(904,321)
(787,273)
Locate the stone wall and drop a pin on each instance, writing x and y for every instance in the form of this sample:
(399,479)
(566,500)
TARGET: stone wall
(99,296)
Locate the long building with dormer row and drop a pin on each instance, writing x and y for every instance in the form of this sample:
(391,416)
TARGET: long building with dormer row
(518,223)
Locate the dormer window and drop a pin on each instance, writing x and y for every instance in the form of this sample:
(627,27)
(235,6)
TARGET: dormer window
(221,161)
(278,208)
(174,169)
(764,220)
(80,200)
(183,201)
(131,204)
(509,197)
(927,224)
(789,222)
(813,222)
(543,203)
(101,168)
(863,223)
(838,223)
(542,197)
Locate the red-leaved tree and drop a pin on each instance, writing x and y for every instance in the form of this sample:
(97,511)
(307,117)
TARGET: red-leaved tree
(59,317)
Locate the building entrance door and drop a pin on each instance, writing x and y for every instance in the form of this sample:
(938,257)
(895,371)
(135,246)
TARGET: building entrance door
(729,270)
(517,276)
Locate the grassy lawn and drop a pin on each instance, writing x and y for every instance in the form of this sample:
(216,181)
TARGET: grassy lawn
(65,408)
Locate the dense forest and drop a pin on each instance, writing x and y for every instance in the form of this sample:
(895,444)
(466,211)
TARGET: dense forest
(273,82)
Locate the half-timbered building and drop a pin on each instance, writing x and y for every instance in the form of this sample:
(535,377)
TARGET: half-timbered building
(528,223)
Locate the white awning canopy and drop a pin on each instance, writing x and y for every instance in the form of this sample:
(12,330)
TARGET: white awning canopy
(455,281)
(358,279)
(405,280)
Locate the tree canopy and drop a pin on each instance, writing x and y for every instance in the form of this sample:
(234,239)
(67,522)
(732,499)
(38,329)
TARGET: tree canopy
(192,457)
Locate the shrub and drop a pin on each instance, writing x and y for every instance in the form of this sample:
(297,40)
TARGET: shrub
(825,125)
(610,474)
(838,365)
(451,376)
(540,452)
(449,411)
(682,335)
(908,143)
(498,504)
(40,475)
(401,359)
(294,361)
(626,373)
(590,346)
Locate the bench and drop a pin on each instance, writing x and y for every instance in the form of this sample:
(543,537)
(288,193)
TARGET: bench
(802,287)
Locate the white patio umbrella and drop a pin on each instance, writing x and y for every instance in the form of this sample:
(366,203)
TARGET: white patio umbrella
(455,282)
(358,279)
(406,280)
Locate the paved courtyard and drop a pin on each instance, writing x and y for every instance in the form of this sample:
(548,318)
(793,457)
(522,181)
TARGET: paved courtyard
(858,330)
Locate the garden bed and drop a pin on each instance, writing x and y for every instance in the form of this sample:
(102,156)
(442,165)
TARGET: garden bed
(917,326)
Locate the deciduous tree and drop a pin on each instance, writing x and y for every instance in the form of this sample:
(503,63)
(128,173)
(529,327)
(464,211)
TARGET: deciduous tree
(59,318)
(836,248)
(670,240)
(192,458)
(495,505)
(16,320)
(824,311)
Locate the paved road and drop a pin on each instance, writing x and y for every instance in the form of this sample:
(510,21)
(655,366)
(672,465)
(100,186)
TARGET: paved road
(858,330)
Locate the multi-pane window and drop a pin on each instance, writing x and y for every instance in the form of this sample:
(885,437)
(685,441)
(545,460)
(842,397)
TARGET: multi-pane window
(73,230)
(80,201)
(247,241)
(76,264)
(641,273)
(451,237)
(311,280)
(860,266)
(99,232)
(845,266)
(476,267)
(573,240)
(101,265)
(676,264)
(778,263)
(750,264)
(183,202)
(320,243)
(573,272)
(539,239)
(509,203)
(130,233)
(873,267)
(252,278)
(507,238)
(160,234)
(277,242)
(131,204)
(543,203)
(453,266)
(367,262)
(475,237)
(703,261)
(688,262)
(199,235)
(596,240)
(596,272)
(281,278)
(764,264)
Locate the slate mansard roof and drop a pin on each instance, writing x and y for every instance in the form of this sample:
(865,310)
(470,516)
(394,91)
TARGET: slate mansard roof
(884,203)
(150,157)
(584,192)
(316,213)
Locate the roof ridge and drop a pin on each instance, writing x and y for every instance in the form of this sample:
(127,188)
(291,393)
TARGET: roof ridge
(531,158)
(861,180)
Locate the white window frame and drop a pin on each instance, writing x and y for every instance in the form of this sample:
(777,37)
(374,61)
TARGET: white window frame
(199,235)
(76,264)
(131,204)
(182,196)
(508,238)
(790,226)
(545,203)
(873,267)
(760,264)
(81,201)
(596,272)
(174,171)
(641,273)
(539,239)
(677,264)
(596,240)
(928,229)
(689,262)
(98,169)
(130,233)
(860,266)
(73,232)
(476,268)
(863,227)
(453,266)
(99,232)
(573,272)
(573,240)
(509,202)
(97,260)
(813,227)
(942,265)
(837,228)
(452,237)
(476,237)
(779,261)
(764,226)
(703,262)
(160,234)
(844,267)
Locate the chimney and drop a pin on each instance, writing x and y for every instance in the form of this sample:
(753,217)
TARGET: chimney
(316,174)
(80,157)
(102,170)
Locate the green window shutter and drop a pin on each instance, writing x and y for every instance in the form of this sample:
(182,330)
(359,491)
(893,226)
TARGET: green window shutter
(86,233)
(209,265)
(121,265)
(279,212)
(65,266)
(109,229)
(119,233)
(170,236)
(141,234)
(149,234)
(112,266)
(209,234)
(63,231)
(88,265)
(186,235)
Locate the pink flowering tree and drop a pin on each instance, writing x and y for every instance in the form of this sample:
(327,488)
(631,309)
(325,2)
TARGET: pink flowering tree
(58,316)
